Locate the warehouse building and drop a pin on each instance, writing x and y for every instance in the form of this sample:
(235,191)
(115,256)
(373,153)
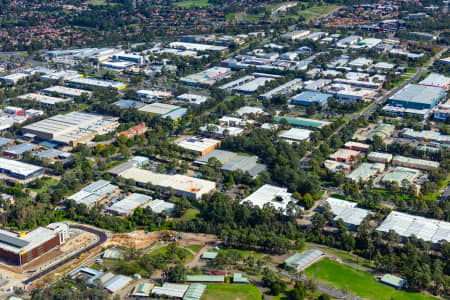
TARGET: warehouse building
(127,205)
(198,144)
(94,192)
(437,80)
(181,184)
(14,78)
(303,122)
(232,161)
(205,278)
(43,99)
(347,211)
(98,83)
(415,163)
(419,97)
(296,135)
(300,261)
(394,281)
(72,128)
(401,175)
(406,225)
(127,104)
(142,290)
(20,249)
(13,170)
(308,98)
(207,77)
(379,157)
(277,197)
(154,94)
(17,151)
(65,75)
(192,98)
(284,89)
(365,170)
(66,91)
(382,130)
(337,167)
(158,206)
(220,132)
(158,108)
(426,135)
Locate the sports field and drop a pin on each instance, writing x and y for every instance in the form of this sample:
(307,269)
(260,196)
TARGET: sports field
(231,292)
(357,282)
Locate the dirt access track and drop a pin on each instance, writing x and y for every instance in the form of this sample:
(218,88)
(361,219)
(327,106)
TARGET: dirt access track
(143,239)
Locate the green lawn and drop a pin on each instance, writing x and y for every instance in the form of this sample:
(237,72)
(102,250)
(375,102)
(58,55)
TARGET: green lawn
(49,183)
(192,3)
(190,214)
(163,251)
(357,282)
(195,248)
(231,292)
(244,253)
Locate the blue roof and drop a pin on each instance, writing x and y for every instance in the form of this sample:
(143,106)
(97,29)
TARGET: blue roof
(310,96)
(5,141)
(48,144)
(20,149)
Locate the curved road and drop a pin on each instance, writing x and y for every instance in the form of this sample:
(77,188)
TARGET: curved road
(102,237)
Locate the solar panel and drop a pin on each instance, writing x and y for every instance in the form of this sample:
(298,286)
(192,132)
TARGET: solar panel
(12,241)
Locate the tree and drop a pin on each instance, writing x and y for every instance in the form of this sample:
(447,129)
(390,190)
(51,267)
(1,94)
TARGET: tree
(175,273)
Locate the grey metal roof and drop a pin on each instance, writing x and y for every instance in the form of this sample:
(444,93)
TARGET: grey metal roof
(20,149)
(129,203)
(300,261)
(12,241)
(195,291)
(5,141)
(418,94)
(117,283)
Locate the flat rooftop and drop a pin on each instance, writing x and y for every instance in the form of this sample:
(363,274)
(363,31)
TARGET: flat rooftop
(268,194)
(418,94)
(199,144)
(17,244)
(18,167)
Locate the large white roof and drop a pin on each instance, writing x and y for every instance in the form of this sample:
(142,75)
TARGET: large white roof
(267,194)
(18,167)
(424,228)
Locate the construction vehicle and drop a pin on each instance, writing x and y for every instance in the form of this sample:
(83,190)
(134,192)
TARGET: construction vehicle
(171,236)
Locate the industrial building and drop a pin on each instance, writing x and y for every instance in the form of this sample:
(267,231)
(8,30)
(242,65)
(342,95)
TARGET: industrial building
(406,225)
(365,170)
(20,249)
(158,108)
(303,122)
(158,206)
(17,151)
(418,97)
(43,99)
(14,78)
(400,175)
(197,47)
(65,75)
(295,35)
(308,98)
(72,128)
(12,170)
(197,144)
(112,283)
(347,211)
(154,94)
(98,83)
(192,98)
(218,131)
(232,161)
(248,110)
(296,135)
(268,194)
(207,77)
(426,135)
(300,261)
(66,91)
(345,155)
(127,104)
(442,112)
(394,281)
(360,62)
(436,80)
(181,184)
(379,157)
(382,130)
(127,205)
(284,89)
(94,192)
(415,163)
(337,167)
(142,290)
(205,278)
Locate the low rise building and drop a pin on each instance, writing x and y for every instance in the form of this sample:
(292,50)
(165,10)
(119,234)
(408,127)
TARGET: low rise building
(284,89)
(348,212)
(128,204)
(365,170)
(296,135)
(94,192)
(345,155)
(182,185)
(192,98)
(300,261)
(308,98)
(134,131)
(415,163)
(379,157)
(154,94)
(207,78)
(15,170)
(426,135)
(197,144)
(44,99)
(357,146)
(95,83)
(277,197)
(66,91)
(442,112)
(436,80)
(295,35)
(418,97)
